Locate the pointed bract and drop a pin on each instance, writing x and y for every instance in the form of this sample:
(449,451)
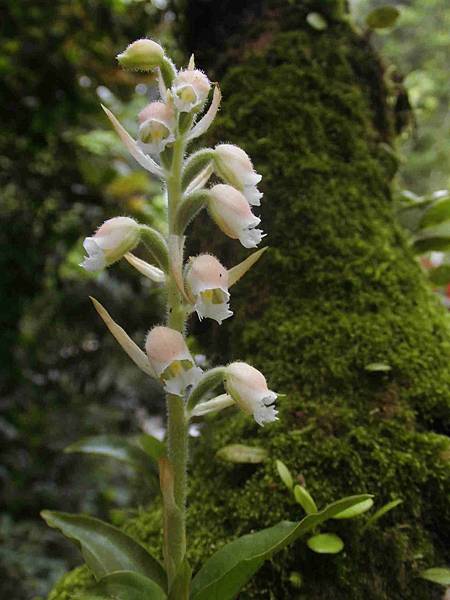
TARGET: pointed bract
(202,126)
(149,271)
(134,352)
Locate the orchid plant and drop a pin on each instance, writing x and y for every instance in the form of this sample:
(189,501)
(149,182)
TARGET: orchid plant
(198,286)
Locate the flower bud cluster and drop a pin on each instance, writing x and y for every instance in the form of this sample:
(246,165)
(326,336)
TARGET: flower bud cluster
(166,126)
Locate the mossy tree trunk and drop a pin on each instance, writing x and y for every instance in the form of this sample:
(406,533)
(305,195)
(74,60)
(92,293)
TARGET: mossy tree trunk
(339,290)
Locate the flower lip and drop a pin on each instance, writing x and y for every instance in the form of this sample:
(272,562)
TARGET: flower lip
(171,359)
(157,125)
(232,213)
(248,388)
(207,281)
(110,243)
(234,166)
(190,90)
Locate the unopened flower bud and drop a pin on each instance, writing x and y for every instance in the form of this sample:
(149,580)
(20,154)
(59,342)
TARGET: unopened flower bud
(171,360)
(190,90)
(234,166)
(248,388)
(157,125)
(110,243)
(232,213)
(142,55)
(207,281)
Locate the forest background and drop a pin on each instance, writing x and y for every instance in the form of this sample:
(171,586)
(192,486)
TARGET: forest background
(62,171)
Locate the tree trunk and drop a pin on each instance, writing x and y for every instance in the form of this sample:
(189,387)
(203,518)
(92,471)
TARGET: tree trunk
(338,291)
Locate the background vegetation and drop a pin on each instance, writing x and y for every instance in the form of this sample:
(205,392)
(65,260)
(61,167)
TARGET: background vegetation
(61,173)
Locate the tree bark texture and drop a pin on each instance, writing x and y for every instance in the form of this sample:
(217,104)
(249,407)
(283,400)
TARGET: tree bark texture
(339,290)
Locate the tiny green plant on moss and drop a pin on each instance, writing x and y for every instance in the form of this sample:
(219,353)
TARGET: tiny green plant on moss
(329,543)
(198,286)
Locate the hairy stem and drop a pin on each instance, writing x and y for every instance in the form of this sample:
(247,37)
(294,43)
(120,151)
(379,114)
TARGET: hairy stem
(175,534)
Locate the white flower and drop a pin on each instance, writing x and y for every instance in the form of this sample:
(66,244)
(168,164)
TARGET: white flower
(248,388)
(110,243)
(207,280)
(170,358)
(142,55)
(234,166)
(190,90)
(157,127)
(232,213)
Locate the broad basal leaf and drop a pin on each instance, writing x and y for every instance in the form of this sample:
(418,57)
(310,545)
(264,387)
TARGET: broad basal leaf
(238,453)
(105,548)
(439,575)
(127,585)
(356,510)
(230,568)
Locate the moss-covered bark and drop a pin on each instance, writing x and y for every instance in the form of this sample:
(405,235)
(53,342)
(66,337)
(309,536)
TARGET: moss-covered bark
(339,290)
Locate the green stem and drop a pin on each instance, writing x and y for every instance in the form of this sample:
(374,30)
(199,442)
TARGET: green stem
(175,534)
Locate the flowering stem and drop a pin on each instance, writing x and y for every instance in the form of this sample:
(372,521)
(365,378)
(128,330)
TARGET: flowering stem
(175,534)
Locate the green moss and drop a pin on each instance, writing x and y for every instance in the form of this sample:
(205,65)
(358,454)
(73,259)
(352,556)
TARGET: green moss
(340,289)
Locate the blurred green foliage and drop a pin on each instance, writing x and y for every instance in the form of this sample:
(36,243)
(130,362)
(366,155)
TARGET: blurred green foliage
(63,172)
(416,56)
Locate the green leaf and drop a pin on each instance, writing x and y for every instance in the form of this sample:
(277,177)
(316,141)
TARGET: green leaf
(238,453)
(377,366)
(152,447)
(232,566)
(316,21)
(208,382)
(325,543)
(431,243)
(382,511)
(305,499)
(284,474)
(182,583)
(356,510)
(437,213)
(382,17)
(440,275)
(127,585)
(437,575)
(105,548)
(113,446)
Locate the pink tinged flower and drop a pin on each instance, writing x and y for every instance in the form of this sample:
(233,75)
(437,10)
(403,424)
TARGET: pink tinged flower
(170,358)
(190,90)
(207,281)
(157,127)
(142,55)
(110,243)
(232,213)
(234,166)
(248,388)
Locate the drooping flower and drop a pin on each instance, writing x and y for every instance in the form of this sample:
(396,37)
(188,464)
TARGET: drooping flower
(234,166)
(141,55)
(207,281)
(190,90)
(157,127)
(248,388)
(232,213)
(171,360)
(110,243)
